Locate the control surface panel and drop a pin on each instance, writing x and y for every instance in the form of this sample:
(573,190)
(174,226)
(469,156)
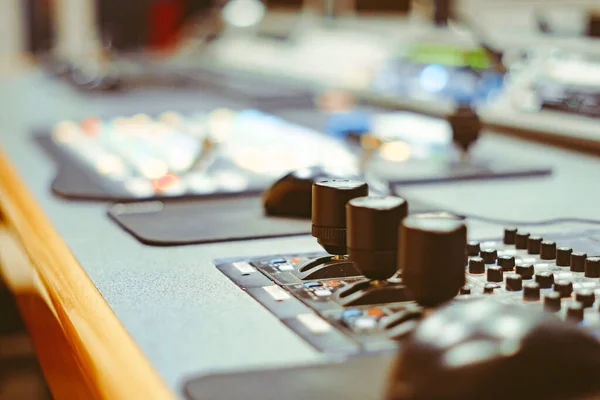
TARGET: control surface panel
(559,273)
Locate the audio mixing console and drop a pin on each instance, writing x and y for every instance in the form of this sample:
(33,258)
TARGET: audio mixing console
(559,273)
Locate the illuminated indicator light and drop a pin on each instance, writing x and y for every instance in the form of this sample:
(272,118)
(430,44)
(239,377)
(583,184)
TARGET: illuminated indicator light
(154,168)
(165,182)
(65,131)
(91,126)
(333,283)
(396,151)
(376,312)
(295,259)
(110,164)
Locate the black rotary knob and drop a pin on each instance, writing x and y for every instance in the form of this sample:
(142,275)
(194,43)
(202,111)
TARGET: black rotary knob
(534,243)
(578,262)
(563,256)
(465,125)
(552,302)
(473,248)
(592,267)
(548,250)
(585,297)
(514,282)
(575,312)
(489,255)
(506,262)
(329,198)
(476,265)
(494,273)
(510,235)
(564,287)
(489,288)
(545,279)
(372,236)
(531,291)
(431,257)
(525,270)
(521,240)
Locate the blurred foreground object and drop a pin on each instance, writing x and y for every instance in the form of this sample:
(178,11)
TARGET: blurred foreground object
(481,349)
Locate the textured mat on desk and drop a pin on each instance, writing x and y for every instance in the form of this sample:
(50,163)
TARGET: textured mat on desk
(188,221)
(201,221)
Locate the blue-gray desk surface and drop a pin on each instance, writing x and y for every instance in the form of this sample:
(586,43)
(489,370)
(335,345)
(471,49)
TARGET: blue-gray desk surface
(186,317)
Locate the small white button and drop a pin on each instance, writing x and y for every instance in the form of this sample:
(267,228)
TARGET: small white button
(365,323)
(322,292)
(286,267)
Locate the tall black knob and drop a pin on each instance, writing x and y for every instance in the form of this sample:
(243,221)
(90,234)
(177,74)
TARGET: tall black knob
(431,257)
(372,236)
(329,198)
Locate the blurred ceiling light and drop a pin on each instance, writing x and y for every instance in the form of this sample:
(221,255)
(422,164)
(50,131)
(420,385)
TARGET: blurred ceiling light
(243,13)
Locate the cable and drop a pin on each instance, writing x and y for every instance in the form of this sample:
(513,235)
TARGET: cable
(552,221)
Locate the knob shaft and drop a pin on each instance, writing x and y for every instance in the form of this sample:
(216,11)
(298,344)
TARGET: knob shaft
(329,198)
(521,240)
(431,257)
(525,270)
(531,291)
(534,244)
(372,236)
(494,273)
(548,250)
(514,282)
(473,249)
(510,235)
(476,265)
(575,312)
(545,279)
(578,262)
(489,255)
(563,256)
(552,302)
(564,287)
(592,267)
(585,297)
(506,262)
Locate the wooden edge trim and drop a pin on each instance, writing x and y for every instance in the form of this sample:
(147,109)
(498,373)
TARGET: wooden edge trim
(102,345)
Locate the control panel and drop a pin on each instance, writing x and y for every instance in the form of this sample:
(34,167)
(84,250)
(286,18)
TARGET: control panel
(559,273)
